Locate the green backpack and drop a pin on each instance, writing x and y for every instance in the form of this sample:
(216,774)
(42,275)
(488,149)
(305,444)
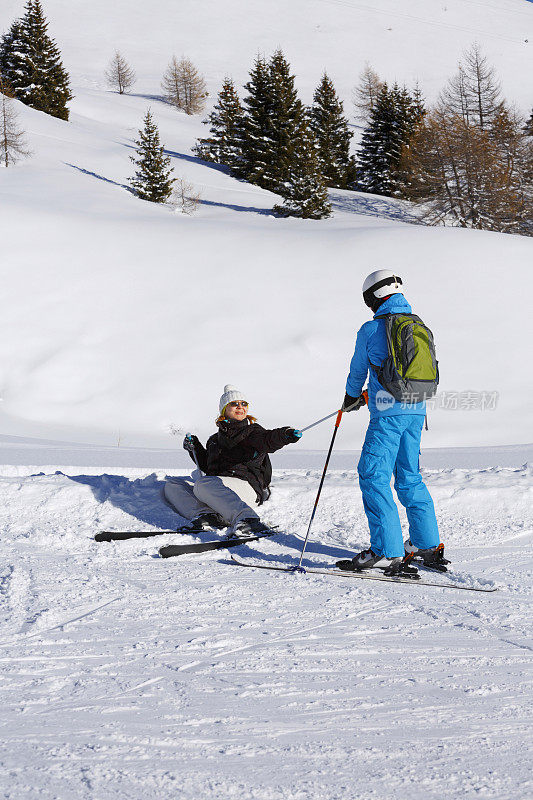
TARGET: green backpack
(410,373)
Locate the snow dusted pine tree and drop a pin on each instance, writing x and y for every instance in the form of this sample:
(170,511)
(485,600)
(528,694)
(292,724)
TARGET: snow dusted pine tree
(152,179)
(279,151)
(286,120)
(332,136)
(225,144)
(274,115)
(256,150)
(304,192)
(12,144)
(119,74)
(31,64)
(11,61)
(393,121)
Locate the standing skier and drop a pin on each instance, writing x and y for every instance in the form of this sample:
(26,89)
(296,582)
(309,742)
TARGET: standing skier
(237,471)
(392,442)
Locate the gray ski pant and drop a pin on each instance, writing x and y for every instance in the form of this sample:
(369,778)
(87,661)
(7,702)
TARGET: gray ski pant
(232,498)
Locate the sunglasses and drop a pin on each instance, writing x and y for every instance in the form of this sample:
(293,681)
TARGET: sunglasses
(237,403)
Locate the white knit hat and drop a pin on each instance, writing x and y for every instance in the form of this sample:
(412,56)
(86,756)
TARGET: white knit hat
(230,393)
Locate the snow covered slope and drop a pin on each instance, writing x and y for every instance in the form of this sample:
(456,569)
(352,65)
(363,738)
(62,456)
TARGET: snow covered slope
(119,318)
(129,677)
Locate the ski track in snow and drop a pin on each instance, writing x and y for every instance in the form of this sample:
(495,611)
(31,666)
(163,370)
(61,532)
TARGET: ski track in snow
(129,676)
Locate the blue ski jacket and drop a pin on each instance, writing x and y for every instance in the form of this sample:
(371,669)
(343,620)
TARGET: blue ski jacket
(371,348)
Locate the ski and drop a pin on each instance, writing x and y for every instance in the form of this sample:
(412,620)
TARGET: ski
(337,573)
(119,536)
(203,547)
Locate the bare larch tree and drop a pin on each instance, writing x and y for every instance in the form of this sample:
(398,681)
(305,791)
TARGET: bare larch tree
(474,92)
(469,177)
(12,144)
(119,74)
(366,93)
(183,86)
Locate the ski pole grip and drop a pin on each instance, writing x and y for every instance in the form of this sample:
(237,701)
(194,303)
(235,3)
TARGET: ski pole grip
(339,417)
(365,396)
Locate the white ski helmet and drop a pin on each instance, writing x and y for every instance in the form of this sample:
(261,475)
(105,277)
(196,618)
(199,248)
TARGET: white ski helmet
(379,284)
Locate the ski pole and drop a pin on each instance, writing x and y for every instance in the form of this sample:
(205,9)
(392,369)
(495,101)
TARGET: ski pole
(319,421)
(329,416)
(299,568)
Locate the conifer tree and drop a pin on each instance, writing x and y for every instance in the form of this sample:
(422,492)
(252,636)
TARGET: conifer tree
(332,136)
(152,180)
(304,192)
(11,61)
(528,127)
(286,118)
(393,121)
(256,127)
(274,116)
(33,65)
(224,145)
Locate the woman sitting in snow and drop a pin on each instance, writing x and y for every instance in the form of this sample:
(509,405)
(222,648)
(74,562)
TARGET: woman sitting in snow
(237,471)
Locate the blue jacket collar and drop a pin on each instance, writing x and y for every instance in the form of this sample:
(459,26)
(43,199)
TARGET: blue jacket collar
(396,304)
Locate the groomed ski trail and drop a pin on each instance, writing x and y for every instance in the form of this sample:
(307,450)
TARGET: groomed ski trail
(216,682)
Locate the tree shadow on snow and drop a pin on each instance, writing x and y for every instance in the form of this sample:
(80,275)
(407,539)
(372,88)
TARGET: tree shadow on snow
(373,206)
(156,98)
(101,177)
(219,168)
(195,160)
(250,209)
(192,160)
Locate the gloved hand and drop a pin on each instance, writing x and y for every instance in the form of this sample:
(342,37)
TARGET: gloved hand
(292,435)
(190,442)
(354,403)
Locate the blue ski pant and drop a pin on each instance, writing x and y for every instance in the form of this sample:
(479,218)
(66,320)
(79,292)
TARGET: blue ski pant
(392,447)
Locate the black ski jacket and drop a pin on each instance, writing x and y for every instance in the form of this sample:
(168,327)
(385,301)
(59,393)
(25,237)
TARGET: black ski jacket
(240,450)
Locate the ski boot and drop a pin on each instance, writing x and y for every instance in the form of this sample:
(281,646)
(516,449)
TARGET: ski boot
(250,527)
(367,559)
(204,522)
(431,557)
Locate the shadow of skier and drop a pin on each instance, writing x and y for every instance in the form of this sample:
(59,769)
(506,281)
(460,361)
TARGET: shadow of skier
(141,498)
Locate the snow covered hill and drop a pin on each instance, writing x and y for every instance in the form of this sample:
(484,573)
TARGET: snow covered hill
(119,318)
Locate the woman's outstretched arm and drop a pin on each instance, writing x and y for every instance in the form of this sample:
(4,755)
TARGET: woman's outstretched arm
(268,441)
